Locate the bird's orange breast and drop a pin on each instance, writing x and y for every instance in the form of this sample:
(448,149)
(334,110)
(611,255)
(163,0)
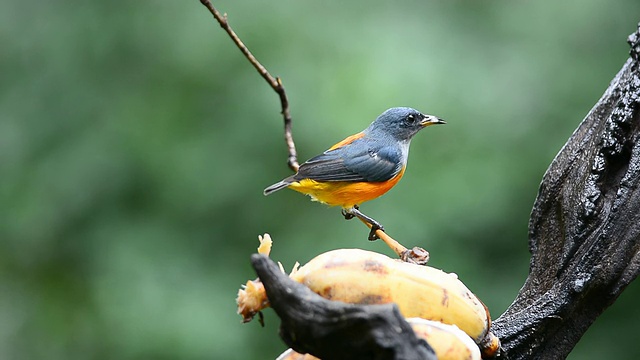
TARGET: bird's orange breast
(344,193)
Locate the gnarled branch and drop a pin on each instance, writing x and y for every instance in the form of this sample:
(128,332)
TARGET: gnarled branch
(584,231)
(336,330)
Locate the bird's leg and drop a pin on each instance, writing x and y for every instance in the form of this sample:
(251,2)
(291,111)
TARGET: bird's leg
(355,212)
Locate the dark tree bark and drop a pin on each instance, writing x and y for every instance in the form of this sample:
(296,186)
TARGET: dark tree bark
(584,231)
(584,238)
(336,330)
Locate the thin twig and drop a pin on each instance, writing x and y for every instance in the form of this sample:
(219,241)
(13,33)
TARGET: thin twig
(416,255)
(274,82)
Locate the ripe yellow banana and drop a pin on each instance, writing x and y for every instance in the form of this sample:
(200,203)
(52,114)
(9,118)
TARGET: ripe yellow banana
(448,342)
(364,277)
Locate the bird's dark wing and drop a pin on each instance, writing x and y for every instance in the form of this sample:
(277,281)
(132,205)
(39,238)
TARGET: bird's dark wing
(357,161)
(377,165)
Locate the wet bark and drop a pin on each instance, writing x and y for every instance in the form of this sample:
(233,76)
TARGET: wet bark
(584,231)
(337,330)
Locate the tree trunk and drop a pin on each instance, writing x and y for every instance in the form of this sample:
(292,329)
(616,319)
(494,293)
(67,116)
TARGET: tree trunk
(584,231)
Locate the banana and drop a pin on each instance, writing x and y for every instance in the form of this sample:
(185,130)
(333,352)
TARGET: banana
(448,342)
(364,277)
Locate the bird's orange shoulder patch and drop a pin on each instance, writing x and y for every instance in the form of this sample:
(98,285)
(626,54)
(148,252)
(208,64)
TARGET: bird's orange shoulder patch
(348,140)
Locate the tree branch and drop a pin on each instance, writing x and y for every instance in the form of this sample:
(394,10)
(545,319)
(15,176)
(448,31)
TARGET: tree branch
(336,330)
(584,231)
(274,82)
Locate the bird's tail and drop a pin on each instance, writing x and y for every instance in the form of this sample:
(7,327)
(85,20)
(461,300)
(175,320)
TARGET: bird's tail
(277,186)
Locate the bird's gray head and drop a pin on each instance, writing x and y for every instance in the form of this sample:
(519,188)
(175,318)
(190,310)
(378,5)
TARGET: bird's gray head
(402,123)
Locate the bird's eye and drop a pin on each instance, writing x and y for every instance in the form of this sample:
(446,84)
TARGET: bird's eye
(411,118)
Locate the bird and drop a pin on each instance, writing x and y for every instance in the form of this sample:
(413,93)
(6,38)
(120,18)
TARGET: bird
(361,167)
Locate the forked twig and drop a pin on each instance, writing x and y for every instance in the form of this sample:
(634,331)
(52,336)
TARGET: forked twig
(274,82)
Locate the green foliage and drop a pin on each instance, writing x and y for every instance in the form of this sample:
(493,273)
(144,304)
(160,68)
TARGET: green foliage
(136,141)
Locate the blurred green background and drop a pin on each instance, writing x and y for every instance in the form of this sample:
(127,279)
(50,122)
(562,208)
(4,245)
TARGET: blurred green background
(135,142)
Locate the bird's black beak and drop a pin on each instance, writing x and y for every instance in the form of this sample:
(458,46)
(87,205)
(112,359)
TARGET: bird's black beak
(431,120)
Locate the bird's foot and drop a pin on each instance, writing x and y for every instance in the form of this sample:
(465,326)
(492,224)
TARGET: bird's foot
(350,213)
(372,234)
(347,215)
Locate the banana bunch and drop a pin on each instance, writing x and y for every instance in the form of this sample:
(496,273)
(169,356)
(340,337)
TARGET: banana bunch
(448,342)
(363,277)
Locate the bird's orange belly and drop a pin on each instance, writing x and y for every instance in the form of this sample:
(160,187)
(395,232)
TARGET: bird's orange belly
(344,193)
